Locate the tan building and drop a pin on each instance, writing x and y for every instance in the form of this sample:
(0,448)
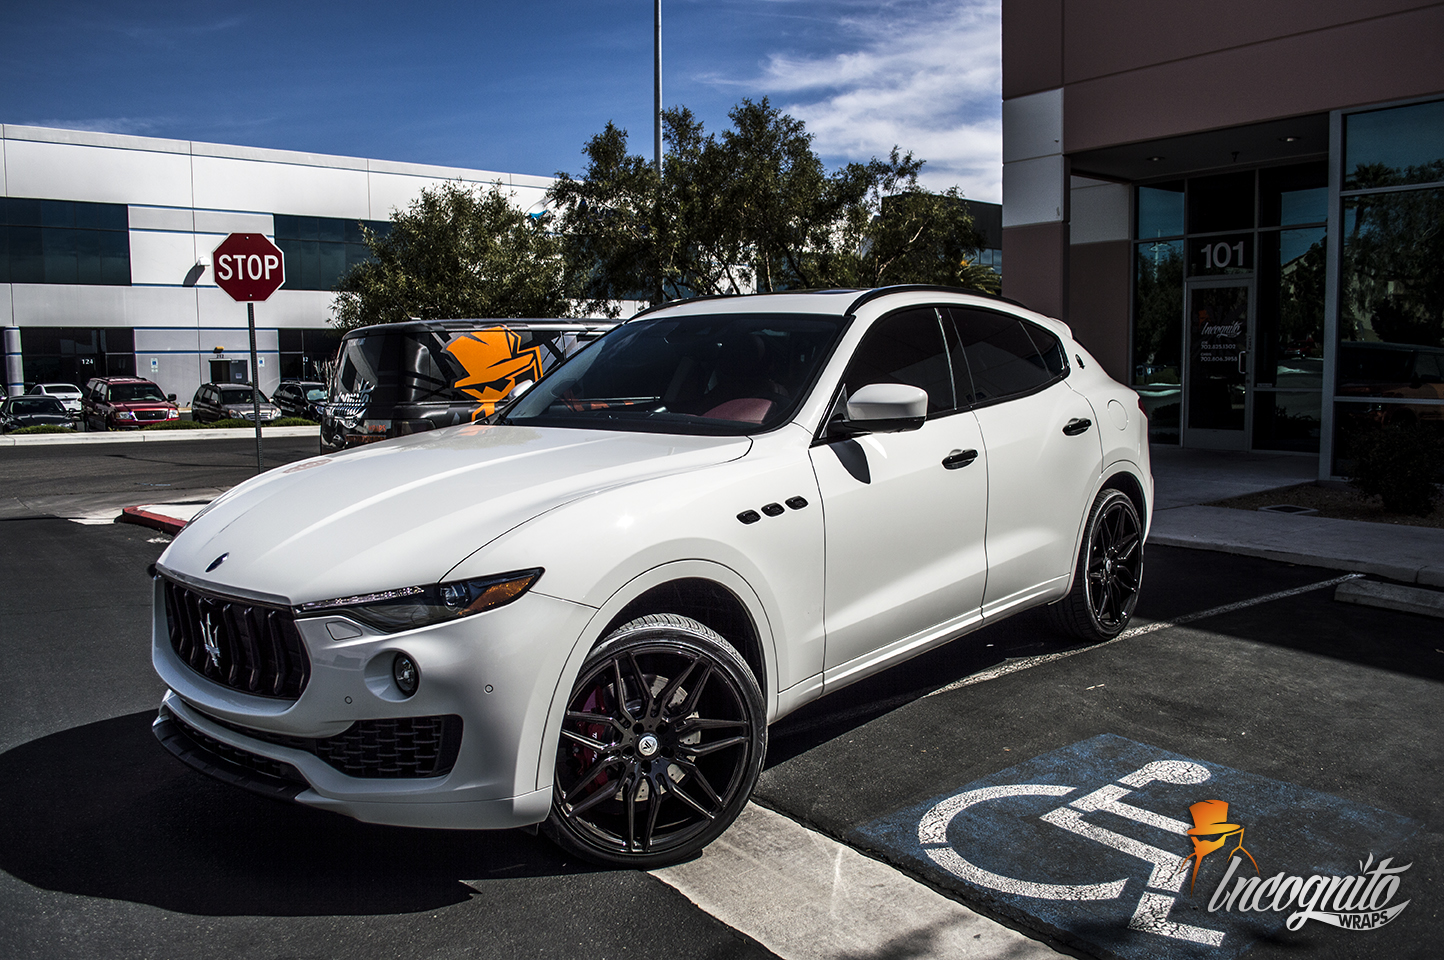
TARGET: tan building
(1239,207)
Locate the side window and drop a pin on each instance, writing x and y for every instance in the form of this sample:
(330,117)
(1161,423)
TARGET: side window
(1004,356)
(906,347)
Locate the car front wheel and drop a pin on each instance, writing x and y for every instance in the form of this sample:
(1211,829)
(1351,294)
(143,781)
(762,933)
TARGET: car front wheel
(1109,572)
(661,745)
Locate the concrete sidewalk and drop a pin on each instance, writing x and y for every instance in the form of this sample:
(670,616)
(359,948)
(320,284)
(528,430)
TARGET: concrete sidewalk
(1185,480)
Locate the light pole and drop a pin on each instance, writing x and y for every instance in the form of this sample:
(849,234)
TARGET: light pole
(657,137)
(657,83)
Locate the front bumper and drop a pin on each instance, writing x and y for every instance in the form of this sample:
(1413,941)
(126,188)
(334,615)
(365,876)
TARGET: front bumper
(497,672)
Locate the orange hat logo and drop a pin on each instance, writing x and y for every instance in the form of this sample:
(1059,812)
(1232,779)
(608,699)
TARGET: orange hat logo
(494,363)
(1210,832)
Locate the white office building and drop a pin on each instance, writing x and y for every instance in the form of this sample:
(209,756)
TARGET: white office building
(106,241)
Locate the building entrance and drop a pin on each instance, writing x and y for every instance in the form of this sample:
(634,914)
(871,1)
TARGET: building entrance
(1219,334)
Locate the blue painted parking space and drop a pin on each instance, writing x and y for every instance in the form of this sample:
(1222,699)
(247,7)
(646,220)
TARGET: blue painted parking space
(1132,851)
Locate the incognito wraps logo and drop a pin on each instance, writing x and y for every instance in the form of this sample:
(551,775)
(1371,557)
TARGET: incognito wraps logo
(1361,901)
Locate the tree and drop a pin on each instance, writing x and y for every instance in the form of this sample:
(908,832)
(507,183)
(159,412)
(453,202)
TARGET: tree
(753,210)
(456,251)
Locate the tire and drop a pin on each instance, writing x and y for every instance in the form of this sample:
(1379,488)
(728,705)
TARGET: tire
(1109,572)
(650,778)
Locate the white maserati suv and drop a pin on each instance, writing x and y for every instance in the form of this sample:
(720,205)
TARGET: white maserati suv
(585,613)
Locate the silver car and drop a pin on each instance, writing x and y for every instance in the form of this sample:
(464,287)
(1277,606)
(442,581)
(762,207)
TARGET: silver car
(230,401)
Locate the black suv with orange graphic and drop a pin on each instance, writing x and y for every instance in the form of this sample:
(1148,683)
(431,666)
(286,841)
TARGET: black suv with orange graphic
(395,379)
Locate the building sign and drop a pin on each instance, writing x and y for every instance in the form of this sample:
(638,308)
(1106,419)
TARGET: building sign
(1220,255)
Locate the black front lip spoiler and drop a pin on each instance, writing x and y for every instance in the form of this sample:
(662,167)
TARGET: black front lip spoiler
(180,739)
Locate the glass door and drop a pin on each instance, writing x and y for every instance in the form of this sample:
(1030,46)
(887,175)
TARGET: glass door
(1219,332)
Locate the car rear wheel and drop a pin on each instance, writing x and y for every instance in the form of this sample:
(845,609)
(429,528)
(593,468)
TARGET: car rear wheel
(661,745)
(1109,571)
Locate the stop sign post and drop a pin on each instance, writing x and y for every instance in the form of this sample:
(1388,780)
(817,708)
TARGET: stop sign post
(249,267)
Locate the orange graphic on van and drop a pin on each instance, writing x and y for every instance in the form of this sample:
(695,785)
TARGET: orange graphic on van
(494,363)
(1210,832)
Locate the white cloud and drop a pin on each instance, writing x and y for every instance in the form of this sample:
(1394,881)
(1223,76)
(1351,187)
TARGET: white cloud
(926,76)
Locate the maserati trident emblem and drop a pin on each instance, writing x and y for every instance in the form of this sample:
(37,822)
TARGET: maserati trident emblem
(210,637)
(217,562)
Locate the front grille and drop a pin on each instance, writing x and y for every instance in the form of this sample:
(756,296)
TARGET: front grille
(398,748)
(250,647)
(150,414)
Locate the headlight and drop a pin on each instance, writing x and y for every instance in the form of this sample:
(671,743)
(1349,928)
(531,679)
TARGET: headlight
(409,607)
(124,415)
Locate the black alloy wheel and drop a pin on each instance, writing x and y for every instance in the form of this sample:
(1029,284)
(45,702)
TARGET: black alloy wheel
(1109,572)
(661,745)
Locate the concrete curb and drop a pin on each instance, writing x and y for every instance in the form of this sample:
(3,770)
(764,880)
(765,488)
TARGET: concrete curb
(156,521)
(1391,596)
(1408,554)
(154,436)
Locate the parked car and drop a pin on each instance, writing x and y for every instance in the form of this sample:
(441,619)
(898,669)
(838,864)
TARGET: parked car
(396,379)
(585,612)
(230,401)
(67,393)
(300,398)
(32,411)
(124,403)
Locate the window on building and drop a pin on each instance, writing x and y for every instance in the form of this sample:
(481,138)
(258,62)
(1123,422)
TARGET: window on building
(319,250)
(64,241)
(306,354)
(1391,285)
(75,354)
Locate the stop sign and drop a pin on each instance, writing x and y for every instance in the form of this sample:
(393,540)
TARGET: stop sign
(249,266)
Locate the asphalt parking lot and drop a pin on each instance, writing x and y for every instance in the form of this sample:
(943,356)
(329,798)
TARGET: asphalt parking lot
(1318,723)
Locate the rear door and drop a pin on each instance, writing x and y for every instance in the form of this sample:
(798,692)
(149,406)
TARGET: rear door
(1044,453)
(905,563)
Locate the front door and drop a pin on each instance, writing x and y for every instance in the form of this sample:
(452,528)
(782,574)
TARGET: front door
(1219,332)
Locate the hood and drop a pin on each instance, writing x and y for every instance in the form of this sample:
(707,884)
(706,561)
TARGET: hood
(406,511)
(247,408)
(143,405)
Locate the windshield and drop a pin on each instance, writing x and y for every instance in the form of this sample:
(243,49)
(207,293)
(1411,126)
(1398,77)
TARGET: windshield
(135,393)
(241,394)
(316,393)
(711,374)
(60,390)
(35,405)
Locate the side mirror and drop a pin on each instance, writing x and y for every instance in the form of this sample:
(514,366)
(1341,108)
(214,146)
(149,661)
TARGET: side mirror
(883,408)
(520,388)
(170,397)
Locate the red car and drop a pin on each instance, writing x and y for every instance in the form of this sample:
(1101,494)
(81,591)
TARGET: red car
(123,403)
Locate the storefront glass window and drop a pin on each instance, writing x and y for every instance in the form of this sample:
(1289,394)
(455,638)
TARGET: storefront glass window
(1291,309)
(1160,210)
(1223,202)
(1391,303)
(1158,335)
(1290,196)
(1401,145)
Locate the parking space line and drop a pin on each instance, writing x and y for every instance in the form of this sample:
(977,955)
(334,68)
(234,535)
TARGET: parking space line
(1025,663)
(805,896)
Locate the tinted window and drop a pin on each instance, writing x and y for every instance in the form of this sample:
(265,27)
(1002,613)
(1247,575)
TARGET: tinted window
(1004,356)
(1400,145)
(1160,210)
(906,347)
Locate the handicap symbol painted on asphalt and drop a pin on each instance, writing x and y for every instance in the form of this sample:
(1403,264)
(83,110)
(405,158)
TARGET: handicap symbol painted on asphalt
(1089,842)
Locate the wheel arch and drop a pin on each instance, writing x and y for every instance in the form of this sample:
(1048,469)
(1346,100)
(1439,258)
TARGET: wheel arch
(708,592)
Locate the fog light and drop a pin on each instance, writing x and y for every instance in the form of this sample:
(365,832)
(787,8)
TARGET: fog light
(403,670)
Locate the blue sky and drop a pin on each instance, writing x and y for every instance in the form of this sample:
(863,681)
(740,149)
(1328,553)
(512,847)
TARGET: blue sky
(515,87)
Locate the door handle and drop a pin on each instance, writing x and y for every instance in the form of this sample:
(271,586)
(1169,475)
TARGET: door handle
(959,458)
(1243,362)
(1076,426)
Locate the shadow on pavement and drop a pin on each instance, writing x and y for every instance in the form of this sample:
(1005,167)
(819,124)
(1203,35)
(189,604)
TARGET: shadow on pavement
(103,811)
